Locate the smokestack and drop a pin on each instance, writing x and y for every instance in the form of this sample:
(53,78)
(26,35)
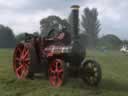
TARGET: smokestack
(75,20)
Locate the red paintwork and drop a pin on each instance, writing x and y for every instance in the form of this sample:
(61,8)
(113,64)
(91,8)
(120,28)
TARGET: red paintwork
(21,61)
(56,73)
(45,48)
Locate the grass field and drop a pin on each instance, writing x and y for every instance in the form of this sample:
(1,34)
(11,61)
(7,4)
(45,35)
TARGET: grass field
(114,79)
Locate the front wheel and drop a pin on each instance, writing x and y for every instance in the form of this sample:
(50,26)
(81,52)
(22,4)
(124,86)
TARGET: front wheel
(56,72)
(91,72)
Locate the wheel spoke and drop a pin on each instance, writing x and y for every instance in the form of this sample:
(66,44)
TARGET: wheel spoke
(22,54)
(90,65)
(56,70)
(26,53)
(26,59)
(52,71)
(59,75)
(19,50)
(57,66)
(54,77)
(91,79)
(17,59)
(21,61)
(59,79)
(19,68)
(96,74)
(60,70)
(24,72)
(95,69)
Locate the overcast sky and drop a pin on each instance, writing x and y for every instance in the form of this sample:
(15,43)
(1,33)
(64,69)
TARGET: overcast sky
(24,15)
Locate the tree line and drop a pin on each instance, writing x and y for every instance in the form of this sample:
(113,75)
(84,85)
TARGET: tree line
(89,28)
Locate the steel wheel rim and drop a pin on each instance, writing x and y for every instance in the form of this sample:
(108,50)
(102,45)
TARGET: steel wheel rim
(21,61)
(91,73)
(56,73)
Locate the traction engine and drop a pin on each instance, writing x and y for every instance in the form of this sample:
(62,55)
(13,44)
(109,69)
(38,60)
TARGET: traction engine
(58,57)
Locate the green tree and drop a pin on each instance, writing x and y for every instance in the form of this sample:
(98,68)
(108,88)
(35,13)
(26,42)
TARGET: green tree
(53,22)
(20,37)
(70,19)
(36,33)
(7,38)
(83,40)
(125,42)
(91,26)
(110,41)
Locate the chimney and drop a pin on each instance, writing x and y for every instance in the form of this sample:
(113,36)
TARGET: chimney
(75,20)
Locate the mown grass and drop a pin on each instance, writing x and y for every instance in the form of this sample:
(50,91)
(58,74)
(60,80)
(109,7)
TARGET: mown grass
(114,78)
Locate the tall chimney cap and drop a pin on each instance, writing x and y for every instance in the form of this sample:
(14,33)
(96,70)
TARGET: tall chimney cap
(75,7)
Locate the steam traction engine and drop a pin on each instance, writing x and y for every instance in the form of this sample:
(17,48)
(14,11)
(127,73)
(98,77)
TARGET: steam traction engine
(58,57)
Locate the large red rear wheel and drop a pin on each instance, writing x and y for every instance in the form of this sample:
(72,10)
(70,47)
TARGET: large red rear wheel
(21,61)
(56,73)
